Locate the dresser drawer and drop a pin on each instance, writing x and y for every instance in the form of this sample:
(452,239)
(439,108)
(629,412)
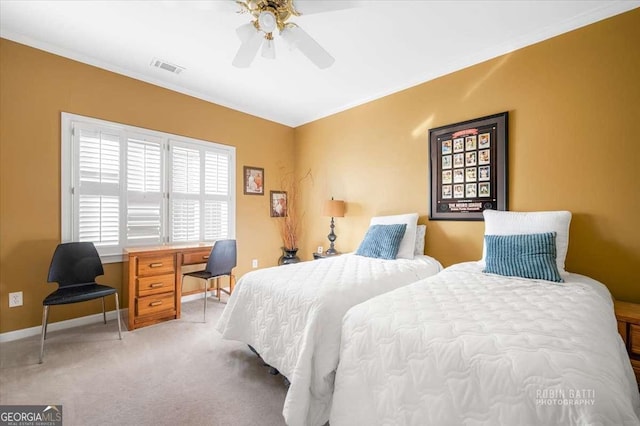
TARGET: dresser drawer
(636,369)
(196,257)
(634,339)
(622,329)
(156,265)
(155,303)
(155,285)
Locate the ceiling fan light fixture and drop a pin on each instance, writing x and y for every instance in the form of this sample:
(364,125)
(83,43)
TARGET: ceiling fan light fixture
(269,15)
(269,49)
(267,21)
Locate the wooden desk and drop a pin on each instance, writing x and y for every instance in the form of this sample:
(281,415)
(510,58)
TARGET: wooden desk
(154,277)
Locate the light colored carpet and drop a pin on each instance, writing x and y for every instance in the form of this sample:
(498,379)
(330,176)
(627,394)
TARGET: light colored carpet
(175,373)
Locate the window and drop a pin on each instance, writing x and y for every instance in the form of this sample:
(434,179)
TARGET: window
(124,186)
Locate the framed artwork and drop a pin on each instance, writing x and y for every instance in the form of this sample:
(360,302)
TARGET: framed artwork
(253,180)
(473,156)
(278,203)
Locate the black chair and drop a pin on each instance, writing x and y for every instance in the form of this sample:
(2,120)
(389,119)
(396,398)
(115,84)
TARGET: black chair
(222,260)
(75,267)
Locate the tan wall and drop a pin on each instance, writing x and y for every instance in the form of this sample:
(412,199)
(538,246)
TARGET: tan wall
(35,87)
(573,104)
(574,111)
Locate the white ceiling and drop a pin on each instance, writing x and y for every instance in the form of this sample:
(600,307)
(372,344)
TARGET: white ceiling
(380,47)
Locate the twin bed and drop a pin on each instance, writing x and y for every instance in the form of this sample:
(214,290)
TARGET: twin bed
(393,342)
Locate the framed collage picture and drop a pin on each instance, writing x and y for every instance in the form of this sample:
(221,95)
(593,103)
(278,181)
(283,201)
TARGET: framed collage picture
(468,164)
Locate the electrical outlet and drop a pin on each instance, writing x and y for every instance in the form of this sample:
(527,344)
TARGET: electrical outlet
(320,249)
(254,263)
(15,299)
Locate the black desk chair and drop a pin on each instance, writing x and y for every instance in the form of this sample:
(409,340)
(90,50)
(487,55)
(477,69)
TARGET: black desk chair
(75,267)
(222,260)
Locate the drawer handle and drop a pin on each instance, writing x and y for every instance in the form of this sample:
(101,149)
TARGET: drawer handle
(156,303)
(156,285)
(155,265)
(205,257)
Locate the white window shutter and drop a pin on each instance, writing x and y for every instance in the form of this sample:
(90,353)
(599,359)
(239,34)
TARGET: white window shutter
(216,205)
(185,193)
(98,186)
(144,190)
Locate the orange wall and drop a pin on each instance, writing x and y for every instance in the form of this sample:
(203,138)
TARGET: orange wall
(35,87)
(574,111)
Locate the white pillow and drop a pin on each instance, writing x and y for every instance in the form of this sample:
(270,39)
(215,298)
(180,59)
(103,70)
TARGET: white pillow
(408,243)
(518,223)
(420,233)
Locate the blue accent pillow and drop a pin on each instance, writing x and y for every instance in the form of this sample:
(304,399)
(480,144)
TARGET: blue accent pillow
(526,256)
(382,241)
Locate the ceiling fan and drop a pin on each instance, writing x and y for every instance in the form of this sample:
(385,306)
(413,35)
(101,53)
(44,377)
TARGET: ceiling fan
(271,15)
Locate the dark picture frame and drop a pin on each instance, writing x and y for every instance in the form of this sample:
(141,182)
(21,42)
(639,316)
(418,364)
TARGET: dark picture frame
(253,180)
(278,204)
(468,168)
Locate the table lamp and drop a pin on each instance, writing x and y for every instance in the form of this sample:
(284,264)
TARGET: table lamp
(333,208)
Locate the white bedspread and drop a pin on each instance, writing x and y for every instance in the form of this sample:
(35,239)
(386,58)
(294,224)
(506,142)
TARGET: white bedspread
(292,316)
(464,347)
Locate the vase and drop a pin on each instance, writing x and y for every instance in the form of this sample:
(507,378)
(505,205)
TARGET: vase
(288,256)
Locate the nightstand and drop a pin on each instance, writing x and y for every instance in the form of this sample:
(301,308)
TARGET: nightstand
(628,316)
(324,255)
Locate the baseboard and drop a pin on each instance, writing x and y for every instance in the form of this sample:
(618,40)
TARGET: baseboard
(55,326)
(76,322)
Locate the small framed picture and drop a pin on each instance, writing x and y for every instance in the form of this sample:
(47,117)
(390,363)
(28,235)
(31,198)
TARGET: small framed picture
(470,159)
(446,191)
(484,156)
(446,161)
(458,145)
(485,172)
(471,190)
(446,147)
(485,141)
(471,174)
(470,144)
(278,203)
(458,160)
(446,176)
(485,189)
(458,191)
(253,180)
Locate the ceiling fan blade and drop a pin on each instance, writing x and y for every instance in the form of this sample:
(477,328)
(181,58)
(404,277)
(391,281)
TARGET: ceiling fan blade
(298,38)
(248,51)
(245,31)
(308,7)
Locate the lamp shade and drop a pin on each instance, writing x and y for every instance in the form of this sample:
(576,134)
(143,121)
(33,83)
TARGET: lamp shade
(333,208)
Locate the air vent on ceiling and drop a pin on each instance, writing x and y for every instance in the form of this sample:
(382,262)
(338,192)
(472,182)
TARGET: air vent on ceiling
(159,63)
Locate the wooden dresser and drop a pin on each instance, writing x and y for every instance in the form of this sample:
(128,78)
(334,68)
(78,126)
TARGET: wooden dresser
(628,316)
(154,277)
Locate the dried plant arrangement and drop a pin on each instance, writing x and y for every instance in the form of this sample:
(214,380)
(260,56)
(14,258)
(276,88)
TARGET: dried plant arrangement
(289,225)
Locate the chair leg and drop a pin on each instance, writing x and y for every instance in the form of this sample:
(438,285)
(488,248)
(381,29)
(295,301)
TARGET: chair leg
(46,324)
(206,290)
(218,287)
(104,314)
(232,283)
(45,317)
(118,315)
